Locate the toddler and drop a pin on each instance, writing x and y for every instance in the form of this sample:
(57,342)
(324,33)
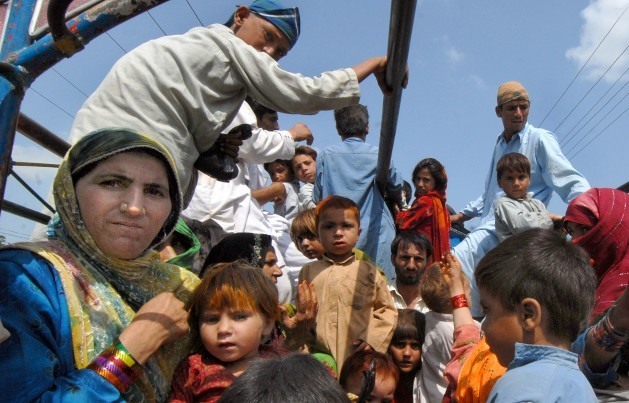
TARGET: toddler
(406,352)
(518,211)
(369,376)
(356,310)
(231,312)
(304,165)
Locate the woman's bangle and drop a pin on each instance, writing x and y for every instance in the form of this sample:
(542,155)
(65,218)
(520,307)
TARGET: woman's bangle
(117,366)
(607,336)
(459,301)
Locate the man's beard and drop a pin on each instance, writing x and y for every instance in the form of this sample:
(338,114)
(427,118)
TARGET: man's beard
(408,280)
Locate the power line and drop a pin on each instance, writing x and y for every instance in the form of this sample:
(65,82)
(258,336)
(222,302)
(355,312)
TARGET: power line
(156,23)
(597,123)
(601,132)
(591,88)
(194,12)
(69,82)
(49,100)
(116,42)
(583,66)
(14,233)
(597,112)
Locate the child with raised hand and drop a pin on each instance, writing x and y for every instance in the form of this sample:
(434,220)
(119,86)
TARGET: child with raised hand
(440,328)
(304,165)
(356,311)
(406,352)
(369,376)
(537,291)
(518,210)
(231,312)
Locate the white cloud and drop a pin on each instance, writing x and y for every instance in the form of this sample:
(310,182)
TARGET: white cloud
(599,16)
(478,81)
(453,55)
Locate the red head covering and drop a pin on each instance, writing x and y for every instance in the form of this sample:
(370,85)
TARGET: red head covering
(607,212)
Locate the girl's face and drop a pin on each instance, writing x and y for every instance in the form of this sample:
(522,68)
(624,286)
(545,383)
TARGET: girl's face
(279,172)
(233,336)
(406,354)
(424,182)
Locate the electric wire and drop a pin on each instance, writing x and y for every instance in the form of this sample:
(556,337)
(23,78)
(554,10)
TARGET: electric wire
(591,88)
(69,82)
(194,12)
(567,140)
(583,66)
(49,100)
(116,42)
(597,123)
(15,234)
(156,23)
(601,132)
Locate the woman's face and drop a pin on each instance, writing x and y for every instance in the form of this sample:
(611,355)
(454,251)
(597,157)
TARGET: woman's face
(424,182)
(124,202)
(270,268)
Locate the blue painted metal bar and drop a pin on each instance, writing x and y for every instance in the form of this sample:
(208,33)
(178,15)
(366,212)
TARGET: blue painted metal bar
(22,61)
(400,30)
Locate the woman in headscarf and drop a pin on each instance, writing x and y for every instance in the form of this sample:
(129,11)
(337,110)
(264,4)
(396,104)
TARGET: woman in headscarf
(93,314)
(428,213)
(255,249)
(598,221)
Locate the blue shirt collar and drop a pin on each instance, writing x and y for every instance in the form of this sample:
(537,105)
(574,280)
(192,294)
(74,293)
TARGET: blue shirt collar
(528,353)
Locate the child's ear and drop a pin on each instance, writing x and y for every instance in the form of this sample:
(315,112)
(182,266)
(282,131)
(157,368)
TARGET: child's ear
(529,314)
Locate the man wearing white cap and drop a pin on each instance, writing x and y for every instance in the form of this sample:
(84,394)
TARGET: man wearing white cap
(550,171)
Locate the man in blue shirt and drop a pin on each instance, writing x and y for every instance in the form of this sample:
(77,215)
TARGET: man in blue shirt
(550,171)
(349,169)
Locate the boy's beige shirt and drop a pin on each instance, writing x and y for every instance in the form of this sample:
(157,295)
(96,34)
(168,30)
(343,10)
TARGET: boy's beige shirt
(354,303)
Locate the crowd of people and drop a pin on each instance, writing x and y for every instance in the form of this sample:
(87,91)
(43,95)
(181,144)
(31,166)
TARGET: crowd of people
(164,278)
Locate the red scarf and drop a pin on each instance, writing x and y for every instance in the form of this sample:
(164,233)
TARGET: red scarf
(607,212)
(428,214)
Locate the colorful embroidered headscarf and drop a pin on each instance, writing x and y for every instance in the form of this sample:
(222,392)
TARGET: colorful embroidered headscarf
(103,292)
(286,19)
(240,246)
(510,91)
(607,212)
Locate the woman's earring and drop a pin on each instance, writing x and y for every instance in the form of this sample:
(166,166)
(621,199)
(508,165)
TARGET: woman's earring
(124,207)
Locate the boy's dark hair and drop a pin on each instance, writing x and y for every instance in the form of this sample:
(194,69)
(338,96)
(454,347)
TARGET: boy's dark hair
(411,324)
(259,109)
(513,162)
(411,237)
(305,150)
(436,169)
(543,265)
(286,163)
(295,377)
(352,121)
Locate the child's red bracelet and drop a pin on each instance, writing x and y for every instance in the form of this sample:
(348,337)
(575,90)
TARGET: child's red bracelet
(459,301)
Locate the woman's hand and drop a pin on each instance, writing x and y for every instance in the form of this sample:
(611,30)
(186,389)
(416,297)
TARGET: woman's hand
(160,321)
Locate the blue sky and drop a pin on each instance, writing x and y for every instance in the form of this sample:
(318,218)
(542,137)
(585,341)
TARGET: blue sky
(460,52)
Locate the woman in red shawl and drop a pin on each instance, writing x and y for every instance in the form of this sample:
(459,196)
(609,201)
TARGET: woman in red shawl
(428,213)
(598,221)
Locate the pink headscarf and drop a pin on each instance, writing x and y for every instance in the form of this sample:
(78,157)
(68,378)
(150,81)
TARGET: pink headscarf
(607,212)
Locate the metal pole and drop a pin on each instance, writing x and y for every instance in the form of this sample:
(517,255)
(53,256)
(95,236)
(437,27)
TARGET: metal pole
(400,30)
(42,136)
(25,212)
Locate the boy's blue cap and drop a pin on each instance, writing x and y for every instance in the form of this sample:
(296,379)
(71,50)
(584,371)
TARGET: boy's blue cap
(285,19)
